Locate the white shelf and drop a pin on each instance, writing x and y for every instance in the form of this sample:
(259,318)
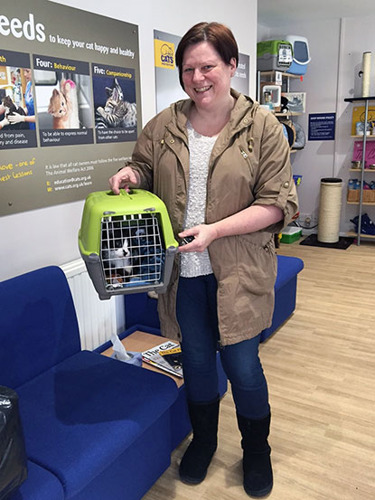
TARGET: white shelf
(290,113)
(359,170)
(352,234)
(368,204)
(286,75)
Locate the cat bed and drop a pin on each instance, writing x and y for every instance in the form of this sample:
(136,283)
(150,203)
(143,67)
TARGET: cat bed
(300,140)
(127,242)
(289,131)
(294,133)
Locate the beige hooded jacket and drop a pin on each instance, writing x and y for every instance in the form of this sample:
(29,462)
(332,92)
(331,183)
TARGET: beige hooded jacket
(249,165)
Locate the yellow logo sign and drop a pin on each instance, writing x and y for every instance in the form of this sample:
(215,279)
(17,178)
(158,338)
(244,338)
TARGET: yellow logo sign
(164,54)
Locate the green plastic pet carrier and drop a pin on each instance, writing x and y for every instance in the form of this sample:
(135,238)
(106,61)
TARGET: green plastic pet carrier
(274,55)
(127,242)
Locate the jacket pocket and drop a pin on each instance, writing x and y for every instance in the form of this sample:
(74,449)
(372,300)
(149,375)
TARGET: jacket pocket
(256,264)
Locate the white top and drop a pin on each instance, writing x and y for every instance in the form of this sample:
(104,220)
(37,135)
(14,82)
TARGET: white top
(200,146)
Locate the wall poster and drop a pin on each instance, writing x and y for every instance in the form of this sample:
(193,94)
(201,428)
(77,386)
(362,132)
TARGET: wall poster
(168,89)
(70,102)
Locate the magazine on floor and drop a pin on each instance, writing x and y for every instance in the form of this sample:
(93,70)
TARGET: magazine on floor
(166,356)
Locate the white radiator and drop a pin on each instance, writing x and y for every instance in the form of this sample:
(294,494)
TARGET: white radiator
(97,319)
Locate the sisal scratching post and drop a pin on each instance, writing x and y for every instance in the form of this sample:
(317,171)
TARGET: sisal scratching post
(366,73)
(329,210)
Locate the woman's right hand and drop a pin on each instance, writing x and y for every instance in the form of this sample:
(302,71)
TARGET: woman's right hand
(125,178)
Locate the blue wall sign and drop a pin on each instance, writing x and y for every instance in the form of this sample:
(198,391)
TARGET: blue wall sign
(322,126)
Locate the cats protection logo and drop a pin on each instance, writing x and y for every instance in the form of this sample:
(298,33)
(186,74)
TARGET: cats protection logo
(164,54)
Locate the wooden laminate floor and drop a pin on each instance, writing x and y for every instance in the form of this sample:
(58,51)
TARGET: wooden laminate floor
(320,367)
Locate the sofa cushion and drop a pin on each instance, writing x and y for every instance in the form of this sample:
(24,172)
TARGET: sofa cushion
(285,292)
(39,485)
(287,268)
(38,328)
(82,414)
(133,473)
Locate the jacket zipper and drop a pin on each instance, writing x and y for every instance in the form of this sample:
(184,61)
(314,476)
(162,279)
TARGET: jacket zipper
(243,152)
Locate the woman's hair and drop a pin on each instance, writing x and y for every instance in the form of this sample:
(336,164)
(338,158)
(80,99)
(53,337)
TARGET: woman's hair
(218,35)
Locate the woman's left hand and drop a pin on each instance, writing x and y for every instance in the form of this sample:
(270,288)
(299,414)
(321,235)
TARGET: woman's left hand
(4,123)
(204,234)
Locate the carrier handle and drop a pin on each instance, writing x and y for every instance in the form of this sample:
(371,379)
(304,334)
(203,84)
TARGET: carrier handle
(123,192)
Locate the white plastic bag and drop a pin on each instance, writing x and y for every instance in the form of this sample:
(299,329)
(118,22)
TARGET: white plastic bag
(120,353)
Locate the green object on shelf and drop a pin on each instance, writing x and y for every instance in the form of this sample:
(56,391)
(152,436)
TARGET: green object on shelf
(291,234)
(274,55)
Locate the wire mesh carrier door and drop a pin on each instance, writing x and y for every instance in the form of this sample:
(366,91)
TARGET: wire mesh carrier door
(127,242)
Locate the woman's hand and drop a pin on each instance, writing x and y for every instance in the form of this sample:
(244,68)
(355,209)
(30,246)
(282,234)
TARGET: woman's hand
(204,234)
(4,123)
(125,178)
(16,118)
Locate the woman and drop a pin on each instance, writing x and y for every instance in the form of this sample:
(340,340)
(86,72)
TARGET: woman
(221,165)
(29,101)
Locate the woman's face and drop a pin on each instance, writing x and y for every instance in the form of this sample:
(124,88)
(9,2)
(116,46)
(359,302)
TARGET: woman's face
(27,74)
(205,75)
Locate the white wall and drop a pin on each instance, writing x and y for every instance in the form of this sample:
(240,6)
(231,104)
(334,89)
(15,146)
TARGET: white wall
(49,236)
(336,48)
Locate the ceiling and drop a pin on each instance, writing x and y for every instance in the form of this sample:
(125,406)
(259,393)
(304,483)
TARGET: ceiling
(274,13)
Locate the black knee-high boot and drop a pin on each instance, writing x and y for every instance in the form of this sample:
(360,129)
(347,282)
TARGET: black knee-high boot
(257,468)
(204,420)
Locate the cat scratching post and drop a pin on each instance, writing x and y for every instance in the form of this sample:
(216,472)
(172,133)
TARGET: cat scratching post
(366,73)
(329,210)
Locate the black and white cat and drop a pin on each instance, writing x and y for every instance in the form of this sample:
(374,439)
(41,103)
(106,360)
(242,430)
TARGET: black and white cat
(10,109)
(116,253)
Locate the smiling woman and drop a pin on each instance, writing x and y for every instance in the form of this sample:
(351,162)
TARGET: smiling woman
(221,165)
(206,79)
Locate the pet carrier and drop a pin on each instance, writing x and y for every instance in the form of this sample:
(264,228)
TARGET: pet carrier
(301,54)
(127,242)
(274,55)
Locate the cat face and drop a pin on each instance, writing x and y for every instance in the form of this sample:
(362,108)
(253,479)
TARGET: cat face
(116,251)
(7,103)
(115,92)
(11,108)
(120,258)
(57,105)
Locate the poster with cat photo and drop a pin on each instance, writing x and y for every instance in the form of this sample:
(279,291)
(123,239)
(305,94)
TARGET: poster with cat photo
(70,102)
(115,104)
(17,117)
(64,104)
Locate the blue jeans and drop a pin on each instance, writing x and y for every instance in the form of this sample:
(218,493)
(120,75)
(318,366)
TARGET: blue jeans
(197,317)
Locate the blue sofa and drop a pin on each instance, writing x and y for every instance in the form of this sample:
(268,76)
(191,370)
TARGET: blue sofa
(95,428)
(141,310)
(285,292)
